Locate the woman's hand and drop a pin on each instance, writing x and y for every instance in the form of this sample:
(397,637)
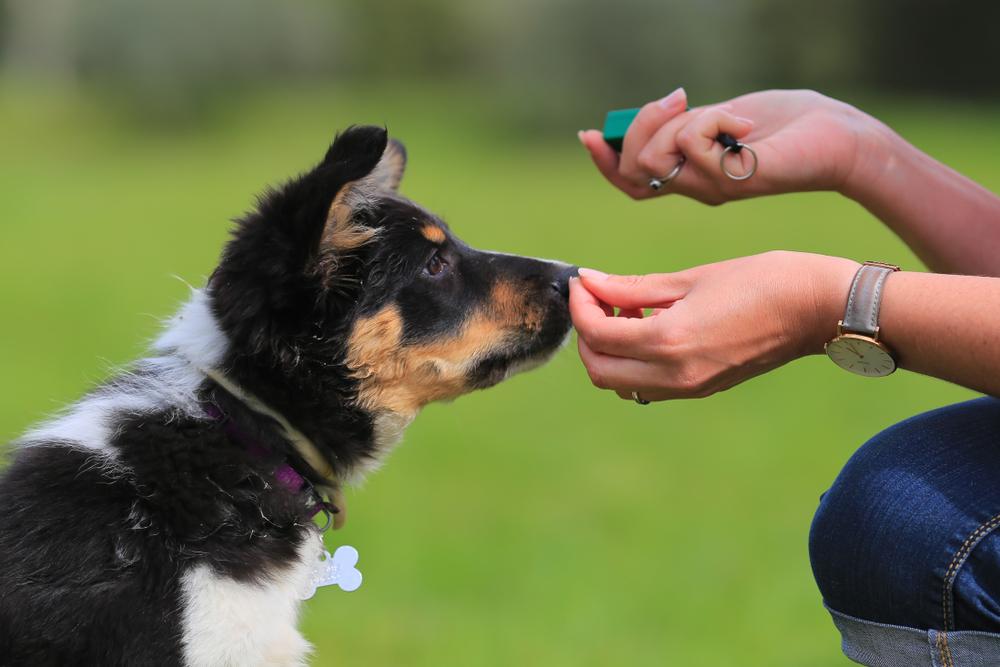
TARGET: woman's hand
(804,141)
(712,326)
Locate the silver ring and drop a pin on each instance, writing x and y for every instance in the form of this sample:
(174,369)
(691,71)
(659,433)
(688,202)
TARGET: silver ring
(657,183)
(328,520)
(639,399)
(735,177)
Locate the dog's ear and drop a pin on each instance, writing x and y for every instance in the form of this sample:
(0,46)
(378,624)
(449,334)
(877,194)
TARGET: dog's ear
(354,153)
(369,155)
(303,237)
(343,231)
(389,171)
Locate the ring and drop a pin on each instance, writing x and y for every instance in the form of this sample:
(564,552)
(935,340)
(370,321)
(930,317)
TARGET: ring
(657,183)
(639,399)
(737,147)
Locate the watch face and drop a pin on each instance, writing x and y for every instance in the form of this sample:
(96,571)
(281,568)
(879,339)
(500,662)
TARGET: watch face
(861,355)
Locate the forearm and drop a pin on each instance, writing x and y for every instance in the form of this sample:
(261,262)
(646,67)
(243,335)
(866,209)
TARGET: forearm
(951,222)
(945,326)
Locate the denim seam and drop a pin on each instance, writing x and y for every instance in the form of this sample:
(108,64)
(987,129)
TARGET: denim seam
(944,651)
(947,602)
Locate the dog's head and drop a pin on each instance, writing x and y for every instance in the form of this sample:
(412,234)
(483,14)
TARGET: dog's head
(349,307)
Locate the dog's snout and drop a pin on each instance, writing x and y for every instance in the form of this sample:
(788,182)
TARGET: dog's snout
(561,282)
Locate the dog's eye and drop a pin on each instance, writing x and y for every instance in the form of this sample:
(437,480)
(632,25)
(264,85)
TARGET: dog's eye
(436,264)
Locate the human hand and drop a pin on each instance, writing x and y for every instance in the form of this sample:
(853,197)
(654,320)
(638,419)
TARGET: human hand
(712,326)
(804,141)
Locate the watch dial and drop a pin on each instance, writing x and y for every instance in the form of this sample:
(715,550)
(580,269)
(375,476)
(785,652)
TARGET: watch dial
(860,355)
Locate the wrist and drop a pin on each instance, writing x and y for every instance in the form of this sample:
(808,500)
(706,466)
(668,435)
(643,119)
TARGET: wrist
(877,151)
(830,283)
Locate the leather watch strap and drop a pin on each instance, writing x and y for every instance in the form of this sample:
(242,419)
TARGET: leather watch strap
(865,298)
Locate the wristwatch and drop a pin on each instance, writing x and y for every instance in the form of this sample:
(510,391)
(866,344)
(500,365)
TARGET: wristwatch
(856,347)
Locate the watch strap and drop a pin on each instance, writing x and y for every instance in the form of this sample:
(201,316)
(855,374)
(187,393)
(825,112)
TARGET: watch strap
(865,298)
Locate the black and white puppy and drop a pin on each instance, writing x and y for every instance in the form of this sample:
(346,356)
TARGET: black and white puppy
(166,518)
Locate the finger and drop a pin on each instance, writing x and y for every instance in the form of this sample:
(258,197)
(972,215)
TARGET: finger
(620,336)
(624,376)
(661,154)
(654,290)
(605,158)
(650,118)
(619,374)
(666,148)
(698,139)
(581,297)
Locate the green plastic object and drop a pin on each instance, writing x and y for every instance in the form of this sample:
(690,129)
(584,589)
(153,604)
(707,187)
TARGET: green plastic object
(616,124)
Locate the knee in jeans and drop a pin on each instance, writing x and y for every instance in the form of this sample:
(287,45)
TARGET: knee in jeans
(864,532)
(899,512)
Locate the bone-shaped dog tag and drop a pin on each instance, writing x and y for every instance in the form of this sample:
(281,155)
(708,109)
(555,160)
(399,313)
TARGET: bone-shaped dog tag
(337,569)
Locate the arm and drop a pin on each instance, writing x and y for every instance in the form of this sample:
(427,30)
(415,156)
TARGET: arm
(945,326)
(717,325)
(807,141)
(951,222)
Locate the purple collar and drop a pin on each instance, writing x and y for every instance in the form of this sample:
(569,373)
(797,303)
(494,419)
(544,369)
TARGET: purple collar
(287,476)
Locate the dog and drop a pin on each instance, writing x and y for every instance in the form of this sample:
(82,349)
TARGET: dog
(167,518)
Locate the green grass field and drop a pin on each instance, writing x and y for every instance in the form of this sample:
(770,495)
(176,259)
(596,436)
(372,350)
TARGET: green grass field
(542,522)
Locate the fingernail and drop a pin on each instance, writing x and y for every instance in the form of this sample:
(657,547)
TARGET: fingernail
(592,274)
(746,121)
(673,99)
(579,135)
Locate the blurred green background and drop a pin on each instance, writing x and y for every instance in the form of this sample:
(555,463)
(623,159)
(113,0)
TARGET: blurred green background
(542,522)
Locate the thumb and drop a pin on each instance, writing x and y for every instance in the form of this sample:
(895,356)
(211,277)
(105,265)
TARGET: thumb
(606,160)
(654,290)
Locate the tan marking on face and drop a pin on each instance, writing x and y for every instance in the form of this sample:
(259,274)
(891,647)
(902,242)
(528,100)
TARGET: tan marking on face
(403,379)
(509,305)
(433,233)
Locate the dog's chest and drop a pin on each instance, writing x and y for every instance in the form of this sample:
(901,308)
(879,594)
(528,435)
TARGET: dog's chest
(232,623)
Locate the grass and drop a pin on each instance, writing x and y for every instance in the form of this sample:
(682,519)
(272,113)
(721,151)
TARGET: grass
(539,523)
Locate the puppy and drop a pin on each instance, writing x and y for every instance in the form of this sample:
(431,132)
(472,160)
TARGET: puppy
(167,517)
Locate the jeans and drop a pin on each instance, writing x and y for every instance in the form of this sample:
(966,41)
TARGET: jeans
(905,547)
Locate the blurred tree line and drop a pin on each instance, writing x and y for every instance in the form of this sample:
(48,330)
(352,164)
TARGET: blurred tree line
(548,59)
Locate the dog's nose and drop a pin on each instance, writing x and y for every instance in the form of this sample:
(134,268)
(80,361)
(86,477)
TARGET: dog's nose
(561,283)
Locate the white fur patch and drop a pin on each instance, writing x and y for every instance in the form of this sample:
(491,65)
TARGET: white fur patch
(227,623)
(194,333)
(169,381)
(388,429)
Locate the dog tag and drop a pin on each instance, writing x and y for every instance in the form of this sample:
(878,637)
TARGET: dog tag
(337,569)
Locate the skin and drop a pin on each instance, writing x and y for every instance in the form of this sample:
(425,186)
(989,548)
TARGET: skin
(714,326)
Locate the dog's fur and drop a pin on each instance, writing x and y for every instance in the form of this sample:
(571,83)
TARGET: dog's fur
(135,529)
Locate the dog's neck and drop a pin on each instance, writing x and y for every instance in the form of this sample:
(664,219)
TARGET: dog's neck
(330,498)
(303,445)
(194,335)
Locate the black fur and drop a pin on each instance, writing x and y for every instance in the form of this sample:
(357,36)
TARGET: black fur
(93,549)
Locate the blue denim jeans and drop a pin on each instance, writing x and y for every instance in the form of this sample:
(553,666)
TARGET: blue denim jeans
(905,546)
